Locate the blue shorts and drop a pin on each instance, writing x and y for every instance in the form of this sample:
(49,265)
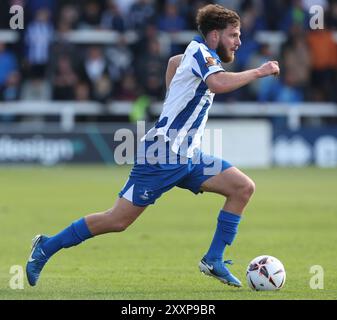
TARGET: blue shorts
(147,182)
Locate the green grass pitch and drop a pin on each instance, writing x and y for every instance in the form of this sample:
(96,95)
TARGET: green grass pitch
(293,216)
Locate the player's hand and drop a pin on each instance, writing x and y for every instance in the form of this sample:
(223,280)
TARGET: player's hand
(269,68)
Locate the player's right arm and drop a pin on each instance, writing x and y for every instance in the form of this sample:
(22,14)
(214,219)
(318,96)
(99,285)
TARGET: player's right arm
(172,66)
(223,82)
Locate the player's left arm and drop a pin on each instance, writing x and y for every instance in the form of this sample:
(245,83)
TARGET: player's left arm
(172,67)
(223,82)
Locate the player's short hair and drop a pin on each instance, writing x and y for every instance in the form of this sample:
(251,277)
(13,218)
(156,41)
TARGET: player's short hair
(215,17)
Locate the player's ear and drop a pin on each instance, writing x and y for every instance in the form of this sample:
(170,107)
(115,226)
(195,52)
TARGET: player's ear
(215,35)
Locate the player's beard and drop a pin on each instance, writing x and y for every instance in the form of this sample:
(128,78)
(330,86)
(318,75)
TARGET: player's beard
(224,54)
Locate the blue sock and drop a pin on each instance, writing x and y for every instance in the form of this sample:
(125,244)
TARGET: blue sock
(225,232)
(71,236)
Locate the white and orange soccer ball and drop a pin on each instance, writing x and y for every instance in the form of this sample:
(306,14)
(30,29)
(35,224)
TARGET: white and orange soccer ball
(265,273)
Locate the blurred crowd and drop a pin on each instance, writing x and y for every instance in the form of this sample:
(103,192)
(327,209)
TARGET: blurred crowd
(45,65)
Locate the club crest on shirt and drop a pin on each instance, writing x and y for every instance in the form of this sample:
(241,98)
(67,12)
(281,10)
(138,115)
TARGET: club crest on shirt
(211,61)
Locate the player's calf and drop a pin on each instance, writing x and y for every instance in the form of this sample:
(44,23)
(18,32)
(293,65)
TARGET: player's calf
(116,219)
(116,224)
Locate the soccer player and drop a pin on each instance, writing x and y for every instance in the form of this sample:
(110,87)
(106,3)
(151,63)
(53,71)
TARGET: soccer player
(169,153)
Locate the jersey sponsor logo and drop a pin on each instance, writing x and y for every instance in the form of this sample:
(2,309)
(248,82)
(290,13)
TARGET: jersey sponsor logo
(211,62)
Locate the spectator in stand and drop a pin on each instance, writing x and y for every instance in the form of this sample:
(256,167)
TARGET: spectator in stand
(331,16)
(9,78)
(124,6)
(141,13)
(34,89)
(102,89)
(286,92)
(273,13)
(11,90)
(150,69)
(254,9)
(69,18)
(323,52)
(64,70)
(149,32)
(120,58)
(38,37)
(96,70)
(62,47)
(290,86)
(128,89)
(4,14)
(171,20)
(263,89)
(91,15)
(95,64)
(82,92)
(32,7)
(294,14)
(8,67)
(296,66)
(112,19)
(64,80)
(98,76)
(190,11)
(249,45)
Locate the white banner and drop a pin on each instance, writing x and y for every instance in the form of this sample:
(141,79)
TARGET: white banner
(244,143)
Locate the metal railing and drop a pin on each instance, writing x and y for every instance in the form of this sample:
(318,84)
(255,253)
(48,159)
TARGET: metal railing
(67,111)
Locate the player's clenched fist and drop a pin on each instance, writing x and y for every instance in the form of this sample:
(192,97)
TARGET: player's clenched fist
(269,68)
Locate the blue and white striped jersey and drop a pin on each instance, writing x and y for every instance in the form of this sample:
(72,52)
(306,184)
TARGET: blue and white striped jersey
(188,100)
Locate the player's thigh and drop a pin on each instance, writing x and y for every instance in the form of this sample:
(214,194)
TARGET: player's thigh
(228,182)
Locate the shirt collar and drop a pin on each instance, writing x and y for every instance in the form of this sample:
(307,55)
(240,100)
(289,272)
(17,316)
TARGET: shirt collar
(200,39)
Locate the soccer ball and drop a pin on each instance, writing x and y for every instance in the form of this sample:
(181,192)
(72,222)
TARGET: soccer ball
(266,273)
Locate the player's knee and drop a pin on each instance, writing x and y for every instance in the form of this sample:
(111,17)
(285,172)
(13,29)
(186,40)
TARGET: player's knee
(247,189)
(244,191)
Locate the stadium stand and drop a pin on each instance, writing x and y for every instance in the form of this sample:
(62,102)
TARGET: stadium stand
(94,46)
(104,61)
